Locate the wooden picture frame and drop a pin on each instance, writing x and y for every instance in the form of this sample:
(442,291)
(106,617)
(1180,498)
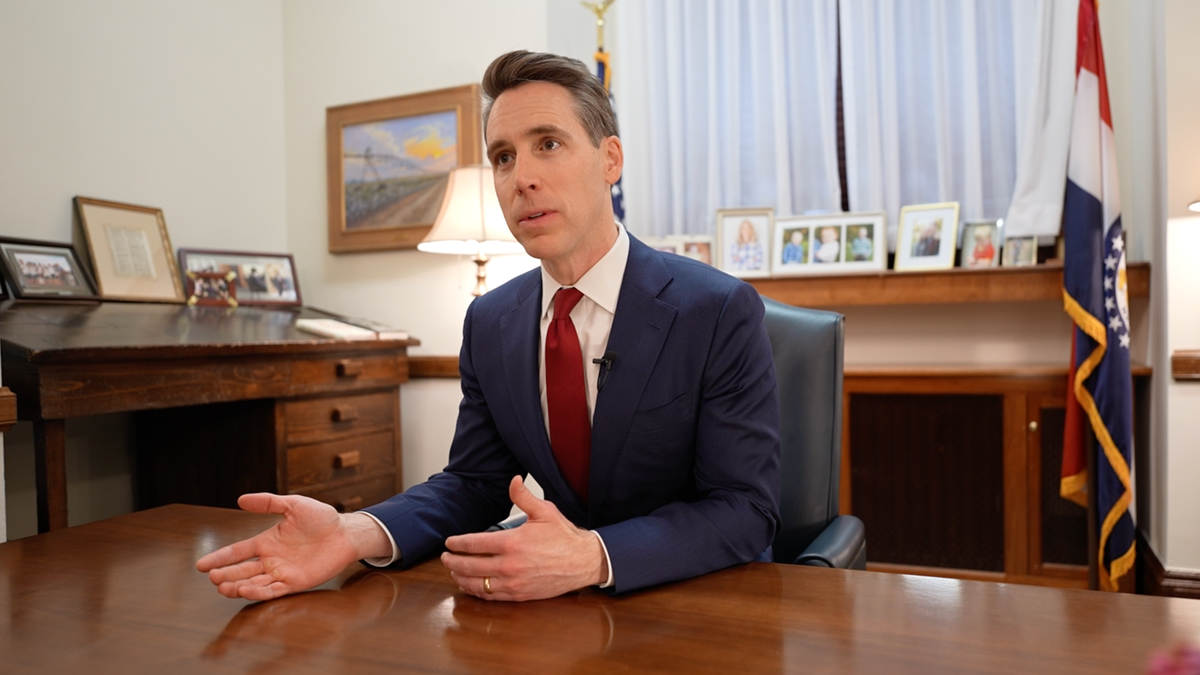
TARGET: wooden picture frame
(744,242)
(130,251)
(44,270)
(981,244)
(264,279)
(927,237)
(388,163)
(211,288)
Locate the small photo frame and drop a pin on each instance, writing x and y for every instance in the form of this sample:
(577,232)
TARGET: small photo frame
(130,251)
(44,270)
(744,242)
(981,244)
(1020,251)
(260,278)
(695,246)
(927,237)
(211,288)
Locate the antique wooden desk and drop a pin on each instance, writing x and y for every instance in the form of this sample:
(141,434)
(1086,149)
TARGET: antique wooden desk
(232,400)
(123,596)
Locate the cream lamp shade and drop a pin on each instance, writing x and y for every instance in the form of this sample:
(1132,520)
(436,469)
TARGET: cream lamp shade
(1194,206)
(470,221)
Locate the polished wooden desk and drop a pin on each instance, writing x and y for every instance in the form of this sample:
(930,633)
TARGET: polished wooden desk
(292,413)
(123,596)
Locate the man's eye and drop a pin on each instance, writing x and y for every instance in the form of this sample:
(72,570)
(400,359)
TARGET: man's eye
(502,158)
(550,144)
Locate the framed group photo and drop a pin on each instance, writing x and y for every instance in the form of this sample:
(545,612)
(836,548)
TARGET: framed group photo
(744,242)
(927,237)
(829,244)
(211,288)
(389,162)
(130,251)
(258,278)
(45,270)
(981,244)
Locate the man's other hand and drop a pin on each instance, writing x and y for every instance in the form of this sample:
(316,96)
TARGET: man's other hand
(311,545)
(544,558)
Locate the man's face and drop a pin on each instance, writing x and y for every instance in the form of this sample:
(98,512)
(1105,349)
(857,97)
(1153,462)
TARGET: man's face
(553,184)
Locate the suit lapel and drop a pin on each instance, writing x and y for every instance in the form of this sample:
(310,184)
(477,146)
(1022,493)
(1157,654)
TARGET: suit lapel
(638,332)
(520,340)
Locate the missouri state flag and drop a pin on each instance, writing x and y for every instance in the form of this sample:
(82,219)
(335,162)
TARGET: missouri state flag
(1095,296)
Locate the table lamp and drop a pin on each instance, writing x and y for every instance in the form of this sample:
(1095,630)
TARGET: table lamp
(470,222)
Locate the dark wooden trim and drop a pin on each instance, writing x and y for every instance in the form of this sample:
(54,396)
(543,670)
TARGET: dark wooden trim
(8,409)
(1154,579)
(433,366)
(1185,365)
(958,285)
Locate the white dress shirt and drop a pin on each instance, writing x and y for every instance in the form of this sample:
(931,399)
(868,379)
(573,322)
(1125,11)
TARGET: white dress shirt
(593,319)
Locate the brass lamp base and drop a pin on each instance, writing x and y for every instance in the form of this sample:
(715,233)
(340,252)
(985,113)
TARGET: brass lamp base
(481,260)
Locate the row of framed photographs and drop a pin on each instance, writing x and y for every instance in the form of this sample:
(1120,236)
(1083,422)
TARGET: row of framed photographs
(753,243)
(130,255)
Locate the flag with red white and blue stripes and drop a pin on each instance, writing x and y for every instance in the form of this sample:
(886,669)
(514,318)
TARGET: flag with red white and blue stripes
(604,72)
(1096,298)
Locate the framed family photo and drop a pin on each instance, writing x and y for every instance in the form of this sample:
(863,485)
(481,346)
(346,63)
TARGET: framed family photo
(829,244)
(744,242)
(211,288)
(981,244)
(389,162)
(927,237)
(130,251)
(46,270)
(259,278)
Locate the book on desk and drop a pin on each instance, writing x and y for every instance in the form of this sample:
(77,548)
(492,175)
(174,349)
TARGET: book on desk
(350,328)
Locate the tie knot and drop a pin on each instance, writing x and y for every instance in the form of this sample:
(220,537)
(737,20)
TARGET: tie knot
(564,301)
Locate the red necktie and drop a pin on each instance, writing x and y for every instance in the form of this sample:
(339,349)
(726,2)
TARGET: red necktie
(566,395)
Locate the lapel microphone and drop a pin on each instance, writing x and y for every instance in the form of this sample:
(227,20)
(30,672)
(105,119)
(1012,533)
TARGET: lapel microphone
(606,363)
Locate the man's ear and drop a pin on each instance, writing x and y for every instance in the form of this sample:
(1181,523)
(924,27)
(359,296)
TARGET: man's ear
(614,159)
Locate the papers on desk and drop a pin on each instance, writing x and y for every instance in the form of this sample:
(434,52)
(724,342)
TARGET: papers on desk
(382,331)
(335,329)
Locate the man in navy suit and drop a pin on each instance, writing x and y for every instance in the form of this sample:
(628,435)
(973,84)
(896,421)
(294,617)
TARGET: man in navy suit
(679,471)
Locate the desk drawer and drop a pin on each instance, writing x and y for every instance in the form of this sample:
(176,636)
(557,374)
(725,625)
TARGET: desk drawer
(319,419)
(354,496)
(348,372)
(358,456)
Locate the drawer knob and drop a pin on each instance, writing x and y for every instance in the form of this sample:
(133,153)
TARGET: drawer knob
(1033,426)
(345,460)
(345,413)
(349,368)
(349,504)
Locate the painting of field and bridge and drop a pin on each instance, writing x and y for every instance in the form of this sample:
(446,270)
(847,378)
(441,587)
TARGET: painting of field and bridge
(395,171)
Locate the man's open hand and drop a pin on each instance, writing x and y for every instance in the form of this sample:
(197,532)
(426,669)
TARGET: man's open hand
(544,558)
(311,545)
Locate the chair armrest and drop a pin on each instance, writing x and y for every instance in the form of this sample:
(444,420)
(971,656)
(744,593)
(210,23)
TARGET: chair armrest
(509,523)
(843,544)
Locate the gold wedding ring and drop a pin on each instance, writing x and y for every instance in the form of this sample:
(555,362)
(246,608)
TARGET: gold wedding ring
(487,585)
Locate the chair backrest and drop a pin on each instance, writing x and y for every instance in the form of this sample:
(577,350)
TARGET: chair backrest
(807,347)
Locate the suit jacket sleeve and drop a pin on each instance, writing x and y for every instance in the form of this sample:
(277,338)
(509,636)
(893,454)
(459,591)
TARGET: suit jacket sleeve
(735,514)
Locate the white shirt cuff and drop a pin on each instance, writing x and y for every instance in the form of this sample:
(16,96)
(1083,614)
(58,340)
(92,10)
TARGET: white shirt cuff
(396,555)
(607,562)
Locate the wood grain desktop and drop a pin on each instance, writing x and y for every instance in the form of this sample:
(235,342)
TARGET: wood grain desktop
(122,596)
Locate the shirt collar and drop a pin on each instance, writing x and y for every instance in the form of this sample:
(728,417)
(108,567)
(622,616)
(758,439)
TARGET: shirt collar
(601,283)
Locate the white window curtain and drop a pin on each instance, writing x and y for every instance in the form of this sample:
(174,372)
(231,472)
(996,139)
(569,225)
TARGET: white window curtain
(928,91)
(726,105)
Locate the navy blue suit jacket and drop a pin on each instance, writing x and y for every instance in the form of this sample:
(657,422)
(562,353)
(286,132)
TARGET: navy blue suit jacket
(685,432)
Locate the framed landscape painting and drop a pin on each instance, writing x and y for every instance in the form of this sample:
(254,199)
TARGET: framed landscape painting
(389,162)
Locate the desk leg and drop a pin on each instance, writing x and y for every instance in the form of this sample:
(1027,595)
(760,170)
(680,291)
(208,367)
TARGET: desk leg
(50,458)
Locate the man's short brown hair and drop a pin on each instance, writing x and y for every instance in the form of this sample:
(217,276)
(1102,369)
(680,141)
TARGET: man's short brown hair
(518,67)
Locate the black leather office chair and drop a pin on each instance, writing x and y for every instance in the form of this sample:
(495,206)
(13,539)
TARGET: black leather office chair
(807,347)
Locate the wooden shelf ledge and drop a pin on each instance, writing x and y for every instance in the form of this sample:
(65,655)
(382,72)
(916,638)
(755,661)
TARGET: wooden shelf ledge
(1185,365)
(1000,284)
